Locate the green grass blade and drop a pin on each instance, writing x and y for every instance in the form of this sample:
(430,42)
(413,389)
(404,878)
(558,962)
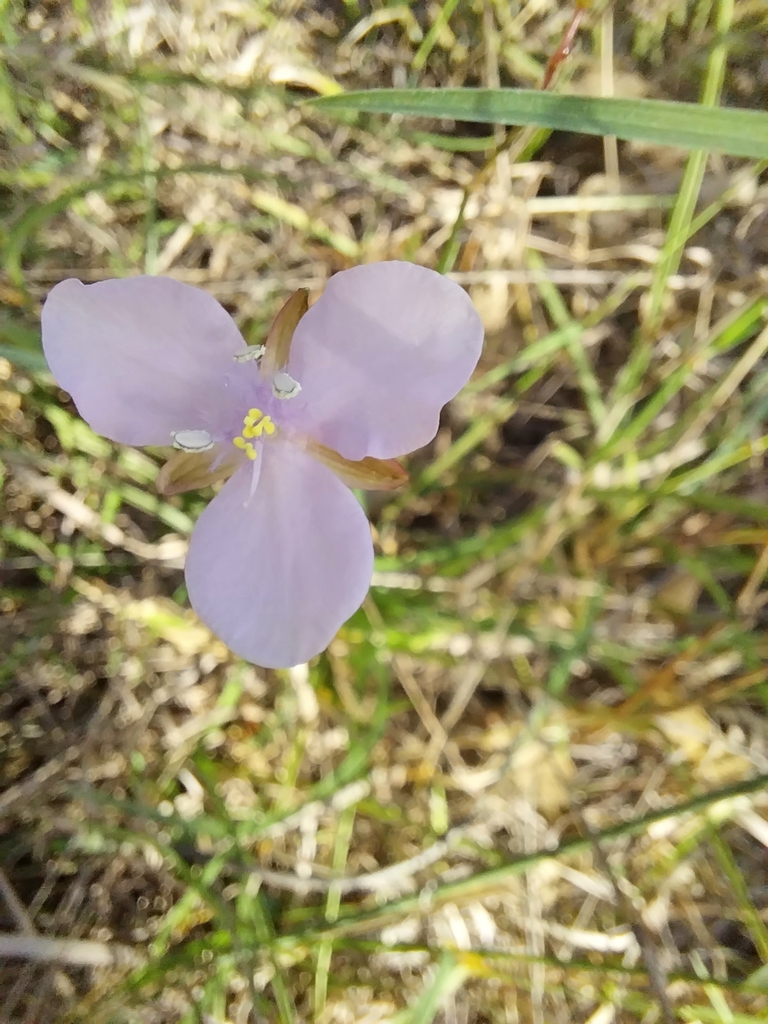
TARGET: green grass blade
(449,976)
(485,882)
(689,125)
(560,313)
(442,19)
(750,914)
(332,904)
(20,343)
(688,195)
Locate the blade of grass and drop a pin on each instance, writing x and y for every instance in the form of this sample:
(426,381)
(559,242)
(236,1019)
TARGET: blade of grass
(679,228)
(450,974)
(679,223)
(484,882)
(733,130)
(510,958)
(583,632)
(520,146)
(474,435)
(715,465)
(734,330)
(332,905)
(560,313)
(443,17)
(298,218)
(750,915)
(711,1015)
(540,351)
(252,912)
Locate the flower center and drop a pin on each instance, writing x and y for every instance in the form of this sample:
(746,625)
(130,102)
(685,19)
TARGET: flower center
(255,424)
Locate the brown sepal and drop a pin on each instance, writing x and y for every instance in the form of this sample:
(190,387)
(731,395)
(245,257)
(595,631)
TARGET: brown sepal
(277,347)
(369,474)
(189,471)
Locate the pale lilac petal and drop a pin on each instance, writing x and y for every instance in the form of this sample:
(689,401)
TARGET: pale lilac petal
(142,356)
(377,357)
(275,577)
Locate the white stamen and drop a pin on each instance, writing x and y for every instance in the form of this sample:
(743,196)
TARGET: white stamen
(192,440)
(284,386)
(252,353)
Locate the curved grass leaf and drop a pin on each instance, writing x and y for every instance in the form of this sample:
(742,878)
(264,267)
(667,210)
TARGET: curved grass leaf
(727,129)
(20,344)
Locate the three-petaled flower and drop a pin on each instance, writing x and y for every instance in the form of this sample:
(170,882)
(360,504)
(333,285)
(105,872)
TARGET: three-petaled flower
(283,554)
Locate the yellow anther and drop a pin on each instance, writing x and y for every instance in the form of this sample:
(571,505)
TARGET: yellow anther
(254,425)
(265,426)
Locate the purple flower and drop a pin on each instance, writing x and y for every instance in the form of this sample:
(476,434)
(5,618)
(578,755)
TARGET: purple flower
(283,555)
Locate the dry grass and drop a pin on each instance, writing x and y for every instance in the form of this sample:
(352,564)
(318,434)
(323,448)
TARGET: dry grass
(526,782)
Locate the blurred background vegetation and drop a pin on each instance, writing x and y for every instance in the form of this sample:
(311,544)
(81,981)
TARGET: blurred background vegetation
(526,782)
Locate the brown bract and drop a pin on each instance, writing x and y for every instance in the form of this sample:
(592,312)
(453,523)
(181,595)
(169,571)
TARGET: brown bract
(189,471)
(278,344)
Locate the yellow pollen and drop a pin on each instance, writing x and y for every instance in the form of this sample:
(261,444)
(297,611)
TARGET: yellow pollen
(254,425)
(265,426)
